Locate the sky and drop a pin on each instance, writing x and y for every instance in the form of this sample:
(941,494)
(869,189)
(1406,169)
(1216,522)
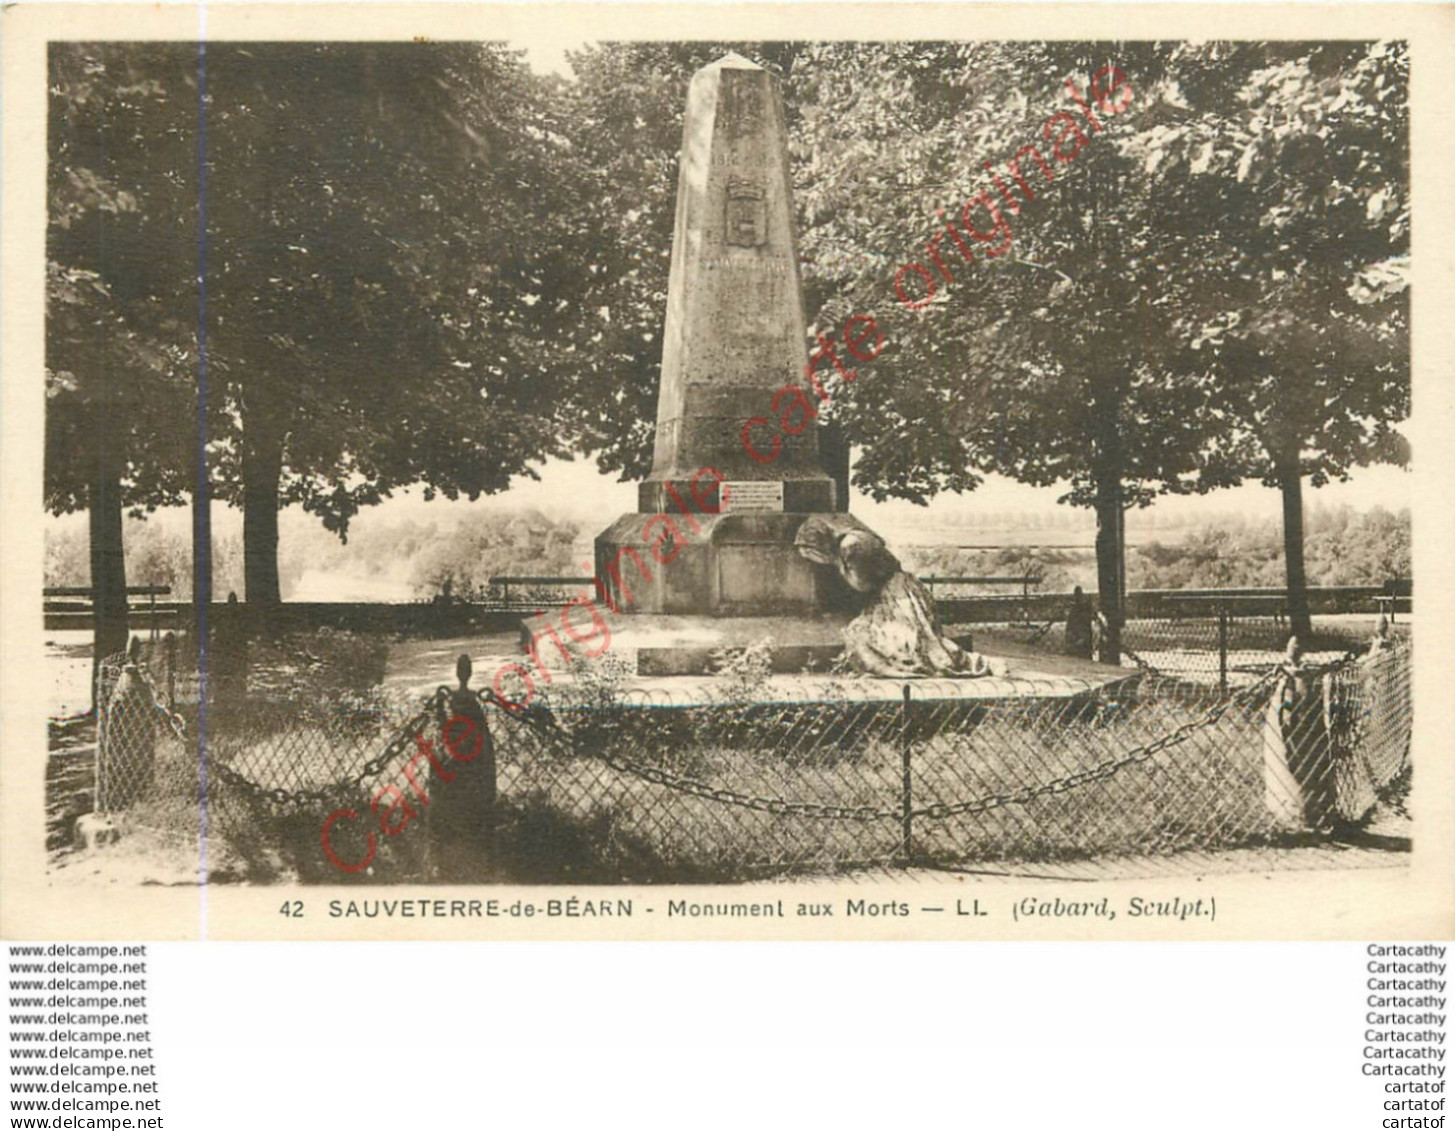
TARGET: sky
(546,47)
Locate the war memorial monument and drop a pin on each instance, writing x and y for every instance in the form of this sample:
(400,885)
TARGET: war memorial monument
(738,541)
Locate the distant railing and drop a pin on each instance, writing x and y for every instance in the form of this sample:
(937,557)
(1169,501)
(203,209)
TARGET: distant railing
(512,591)
(500,586)
(1270,601)
(509,596)
(1026,581)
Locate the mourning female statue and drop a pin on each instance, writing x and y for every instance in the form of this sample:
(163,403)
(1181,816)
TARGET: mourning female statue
(897,634)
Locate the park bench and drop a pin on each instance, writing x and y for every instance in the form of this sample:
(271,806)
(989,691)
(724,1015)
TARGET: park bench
(1014,606)
(505,582)
(1243,604)
(73,606)
(1398,595)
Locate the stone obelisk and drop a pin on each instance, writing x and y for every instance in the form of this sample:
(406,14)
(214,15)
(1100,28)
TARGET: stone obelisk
(735,329)
(735,337)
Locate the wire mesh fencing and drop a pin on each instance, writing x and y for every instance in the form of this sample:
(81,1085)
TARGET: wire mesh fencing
(1051,770)
(147,770)
(1219,642)
(664,786)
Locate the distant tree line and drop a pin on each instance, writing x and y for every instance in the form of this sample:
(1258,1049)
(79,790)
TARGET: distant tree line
(155,555)
(1341,547)
(422,559)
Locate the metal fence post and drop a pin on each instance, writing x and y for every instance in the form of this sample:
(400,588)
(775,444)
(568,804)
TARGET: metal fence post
(906,797)
(1223,648)
(169,650)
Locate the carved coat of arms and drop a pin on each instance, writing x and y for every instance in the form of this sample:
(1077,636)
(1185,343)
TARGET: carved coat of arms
(747,213)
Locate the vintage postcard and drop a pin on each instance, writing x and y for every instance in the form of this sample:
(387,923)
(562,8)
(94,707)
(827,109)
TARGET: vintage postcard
(766,472)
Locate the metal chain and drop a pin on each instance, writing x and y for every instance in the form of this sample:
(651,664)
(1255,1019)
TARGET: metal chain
(1355,652)
(371,769)
(777,806)
(1356,744)
(780,807)
(1105,770)
(175,721)
(284,797)
(691,786)
(773,805)
(1126,649)
(1045,628)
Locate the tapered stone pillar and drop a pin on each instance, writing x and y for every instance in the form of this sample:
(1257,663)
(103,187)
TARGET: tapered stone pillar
(735,330)
(735,338)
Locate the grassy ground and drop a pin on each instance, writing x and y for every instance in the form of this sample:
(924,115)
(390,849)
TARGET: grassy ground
(1204,792)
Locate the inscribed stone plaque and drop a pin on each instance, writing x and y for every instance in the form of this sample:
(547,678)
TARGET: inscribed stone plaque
(753,496)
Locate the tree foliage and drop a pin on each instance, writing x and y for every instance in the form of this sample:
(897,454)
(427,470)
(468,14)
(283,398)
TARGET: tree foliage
(1300,332)
(1344,547)
(117,346)
(1301,328)
(425,264)
(120,256)
(388,272)
(390,264)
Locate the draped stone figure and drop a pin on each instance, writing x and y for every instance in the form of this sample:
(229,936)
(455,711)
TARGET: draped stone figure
(897,634)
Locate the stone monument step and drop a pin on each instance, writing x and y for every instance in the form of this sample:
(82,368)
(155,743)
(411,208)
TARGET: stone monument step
(665,645)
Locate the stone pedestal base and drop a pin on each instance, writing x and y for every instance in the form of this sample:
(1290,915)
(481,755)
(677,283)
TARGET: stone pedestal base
(731,565)
(658,646)
(92,830)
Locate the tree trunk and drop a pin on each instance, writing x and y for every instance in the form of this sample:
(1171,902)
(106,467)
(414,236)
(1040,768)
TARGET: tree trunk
(201,550)
(1108,570)
(1290,485)
(1107,477)
(108,555)
(262,471)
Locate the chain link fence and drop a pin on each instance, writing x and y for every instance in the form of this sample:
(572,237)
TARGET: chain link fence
(147,770)
(626,785)
(1204,641)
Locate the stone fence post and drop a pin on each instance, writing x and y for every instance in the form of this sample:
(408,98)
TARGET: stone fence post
(1298,772)
(462,812)
(1318,732)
